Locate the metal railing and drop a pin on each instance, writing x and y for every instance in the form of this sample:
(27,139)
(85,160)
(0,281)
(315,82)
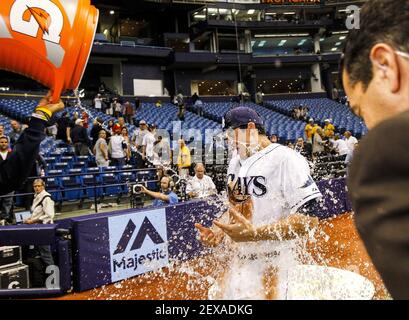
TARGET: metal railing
(84,187)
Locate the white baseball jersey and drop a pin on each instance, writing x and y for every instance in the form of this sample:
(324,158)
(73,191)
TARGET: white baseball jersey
(277,179)
(279,183)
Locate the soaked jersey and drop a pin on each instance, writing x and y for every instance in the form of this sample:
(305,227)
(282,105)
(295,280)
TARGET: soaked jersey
(278,181)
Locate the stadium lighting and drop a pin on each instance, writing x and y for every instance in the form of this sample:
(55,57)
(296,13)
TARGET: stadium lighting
(334,49)
(251,11)
(262,43)
(112,12)
(200,16)
(302,42)
(342,37)
(281,35)
(338,43)
(282,42)
(288,13)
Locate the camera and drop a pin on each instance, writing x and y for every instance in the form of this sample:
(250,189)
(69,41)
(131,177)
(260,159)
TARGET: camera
(137,188)
(136,196)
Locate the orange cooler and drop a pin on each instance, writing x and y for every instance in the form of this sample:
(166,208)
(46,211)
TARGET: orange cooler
(47,40)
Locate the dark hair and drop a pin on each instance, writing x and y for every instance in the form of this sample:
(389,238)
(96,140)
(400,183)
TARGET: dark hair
(382,21)
(4,138)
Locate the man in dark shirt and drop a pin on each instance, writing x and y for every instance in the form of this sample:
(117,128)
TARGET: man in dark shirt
(96,128)
(375,74)
(62,124)
(80,139)
(16,168)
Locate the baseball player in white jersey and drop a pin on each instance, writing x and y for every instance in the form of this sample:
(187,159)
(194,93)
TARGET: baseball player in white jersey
(269,190)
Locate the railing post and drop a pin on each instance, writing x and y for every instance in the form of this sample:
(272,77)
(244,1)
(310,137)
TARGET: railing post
(95,193)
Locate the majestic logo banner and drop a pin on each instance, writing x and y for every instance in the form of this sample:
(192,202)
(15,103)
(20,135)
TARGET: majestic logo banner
(138,243)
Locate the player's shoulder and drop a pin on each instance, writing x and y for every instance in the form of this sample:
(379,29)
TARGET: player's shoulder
(294,161)
(280,153)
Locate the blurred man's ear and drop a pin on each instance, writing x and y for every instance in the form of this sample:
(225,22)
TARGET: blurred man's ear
(386,66)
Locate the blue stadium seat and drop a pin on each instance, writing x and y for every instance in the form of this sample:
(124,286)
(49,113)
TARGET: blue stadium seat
(64,166)
(110,179)
(125,178)
(93,170)
(80,165)
(53,186)
(109,169)
(72,182)
(88,181)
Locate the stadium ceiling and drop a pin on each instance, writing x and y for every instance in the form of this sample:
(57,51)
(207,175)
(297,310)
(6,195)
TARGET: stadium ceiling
(136,6)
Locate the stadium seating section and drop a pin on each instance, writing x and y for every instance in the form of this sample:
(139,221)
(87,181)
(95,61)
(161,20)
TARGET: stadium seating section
(72,178)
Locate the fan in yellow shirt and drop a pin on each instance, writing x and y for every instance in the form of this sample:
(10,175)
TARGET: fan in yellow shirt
(310,130)
(184,159)
(329,129)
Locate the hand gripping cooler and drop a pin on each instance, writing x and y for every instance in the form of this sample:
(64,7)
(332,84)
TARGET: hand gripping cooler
(47,40)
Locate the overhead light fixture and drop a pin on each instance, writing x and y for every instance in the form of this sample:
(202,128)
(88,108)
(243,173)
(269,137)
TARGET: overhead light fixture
(340,32)
(281,35)
(270,13)
(288,13)
(338,44)
(251,11)
(334,49)
(112,12)
(252,43)
(302,42)
(200,16)
(212,10)
(342,37)
(322,39)
(262,43)
(282,42)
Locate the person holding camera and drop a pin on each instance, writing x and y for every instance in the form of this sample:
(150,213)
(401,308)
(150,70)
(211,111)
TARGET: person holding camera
(165,196)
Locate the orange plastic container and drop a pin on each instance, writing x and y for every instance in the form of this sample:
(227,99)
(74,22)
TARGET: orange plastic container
(47,40)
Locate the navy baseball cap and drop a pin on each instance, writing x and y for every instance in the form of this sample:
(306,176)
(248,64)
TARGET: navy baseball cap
(241,116)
